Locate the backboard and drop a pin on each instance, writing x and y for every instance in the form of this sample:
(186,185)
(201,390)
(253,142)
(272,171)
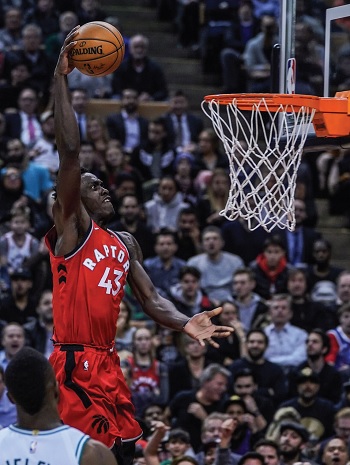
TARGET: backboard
(335,24)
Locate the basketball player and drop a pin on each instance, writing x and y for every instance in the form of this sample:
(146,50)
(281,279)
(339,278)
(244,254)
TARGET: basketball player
(39,436)
(90,266)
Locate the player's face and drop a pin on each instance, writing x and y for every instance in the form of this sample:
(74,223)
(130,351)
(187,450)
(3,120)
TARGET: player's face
(95,197)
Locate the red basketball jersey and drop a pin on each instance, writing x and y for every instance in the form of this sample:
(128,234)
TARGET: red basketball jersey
(88,285)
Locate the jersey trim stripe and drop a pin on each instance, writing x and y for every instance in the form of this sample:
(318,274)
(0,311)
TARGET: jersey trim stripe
(80,246)
(80,447)
(26,432)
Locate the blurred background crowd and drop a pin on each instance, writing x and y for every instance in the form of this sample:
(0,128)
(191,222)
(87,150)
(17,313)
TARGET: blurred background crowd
(278,389)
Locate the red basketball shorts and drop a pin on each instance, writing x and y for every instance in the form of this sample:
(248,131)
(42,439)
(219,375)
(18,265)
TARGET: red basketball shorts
(94,396)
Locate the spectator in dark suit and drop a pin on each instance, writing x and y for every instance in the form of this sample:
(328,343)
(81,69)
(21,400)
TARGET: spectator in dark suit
(139,72)
(24,124)
(12,87)
(299,243)
(183,127)
(39,330)
(128,126)
(40,65)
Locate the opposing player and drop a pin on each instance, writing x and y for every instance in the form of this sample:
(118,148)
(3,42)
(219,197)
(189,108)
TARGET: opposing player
(39,436)
(90,266)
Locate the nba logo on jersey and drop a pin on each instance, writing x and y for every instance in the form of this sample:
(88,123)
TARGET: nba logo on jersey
(86,365)
(291,75)
(32,447)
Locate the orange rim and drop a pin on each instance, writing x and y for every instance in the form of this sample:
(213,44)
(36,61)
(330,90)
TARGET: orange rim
(275,101)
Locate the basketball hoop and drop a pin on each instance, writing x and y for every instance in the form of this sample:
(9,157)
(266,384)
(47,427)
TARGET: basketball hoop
(263,137)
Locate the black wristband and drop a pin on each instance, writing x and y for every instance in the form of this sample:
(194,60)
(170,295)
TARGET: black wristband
(183,326)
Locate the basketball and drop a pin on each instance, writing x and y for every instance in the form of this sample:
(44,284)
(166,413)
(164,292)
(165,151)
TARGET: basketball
(99,49)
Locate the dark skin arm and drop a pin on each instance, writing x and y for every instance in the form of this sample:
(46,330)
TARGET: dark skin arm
(97,453)
(70,217)
(162,310)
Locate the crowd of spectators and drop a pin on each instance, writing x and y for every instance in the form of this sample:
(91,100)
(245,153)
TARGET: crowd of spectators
(278,389)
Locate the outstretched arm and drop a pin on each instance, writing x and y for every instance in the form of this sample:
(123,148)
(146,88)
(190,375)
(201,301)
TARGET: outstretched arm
(68,214)
(161,310)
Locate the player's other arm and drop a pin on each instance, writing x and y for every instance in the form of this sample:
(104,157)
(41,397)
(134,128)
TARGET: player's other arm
(97,453)
(161,310)
(67,210)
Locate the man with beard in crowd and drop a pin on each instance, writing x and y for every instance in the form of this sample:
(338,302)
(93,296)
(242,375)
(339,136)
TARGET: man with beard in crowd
(270,378)
(293,438)
(317,347)
(316,413)
(128,126)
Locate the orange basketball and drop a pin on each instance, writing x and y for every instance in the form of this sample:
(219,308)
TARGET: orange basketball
(99,49)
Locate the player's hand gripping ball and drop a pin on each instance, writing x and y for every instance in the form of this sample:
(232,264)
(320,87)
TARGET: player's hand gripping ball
(99,49)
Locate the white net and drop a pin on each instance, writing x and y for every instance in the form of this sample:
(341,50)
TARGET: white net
(264,149)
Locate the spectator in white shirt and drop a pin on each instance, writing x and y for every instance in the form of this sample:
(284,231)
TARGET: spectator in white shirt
(216,266)
(287,343)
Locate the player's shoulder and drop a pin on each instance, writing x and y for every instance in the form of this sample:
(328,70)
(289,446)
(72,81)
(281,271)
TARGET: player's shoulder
(131,244)
(96,452)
